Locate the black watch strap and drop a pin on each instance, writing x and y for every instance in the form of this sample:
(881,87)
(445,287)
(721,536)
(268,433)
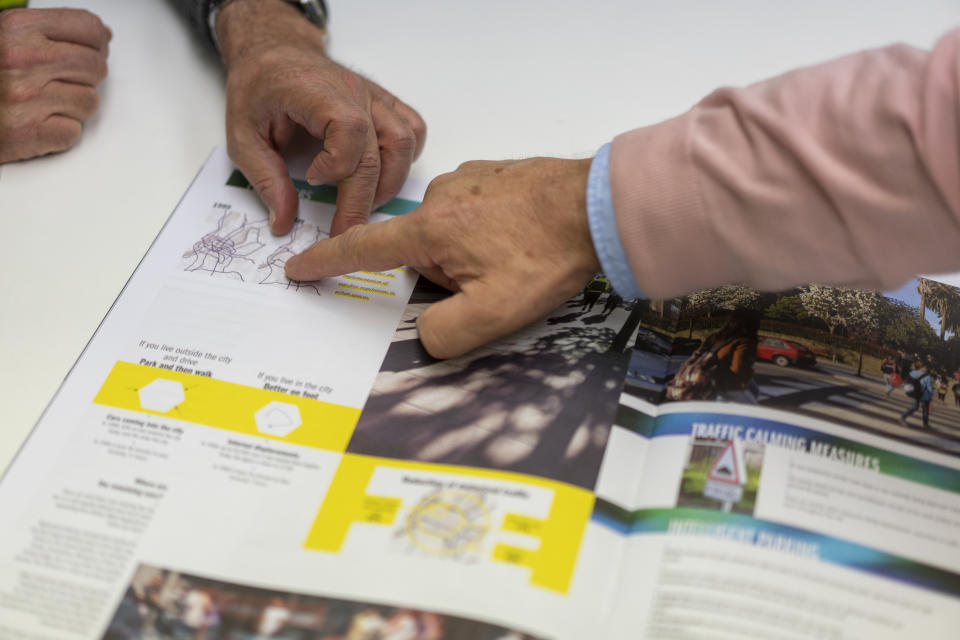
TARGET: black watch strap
(315,10)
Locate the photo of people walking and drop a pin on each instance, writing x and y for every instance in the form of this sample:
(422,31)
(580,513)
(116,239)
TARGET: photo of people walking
(886,362)
(160,604)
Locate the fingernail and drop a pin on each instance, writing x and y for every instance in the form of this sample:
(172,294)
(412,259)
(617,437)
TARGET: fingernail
(273,217)
(313,180)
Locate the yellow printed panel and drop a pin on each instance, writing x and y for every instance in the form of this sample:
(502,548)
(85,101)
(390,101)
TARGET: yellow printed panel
(228,405)
(379,292)
(560,540)
(345,505)
(514,555)
(559,535)
(523,524)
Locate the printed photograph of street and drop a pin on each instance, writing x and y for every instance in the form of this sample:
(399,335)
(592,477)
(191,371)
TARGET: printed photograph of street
(882,362)
(162,604)
(541,401)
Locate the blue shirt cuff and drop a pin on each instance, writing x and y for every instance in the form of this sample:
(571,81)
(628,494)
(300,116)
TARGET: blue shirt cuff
(603,228)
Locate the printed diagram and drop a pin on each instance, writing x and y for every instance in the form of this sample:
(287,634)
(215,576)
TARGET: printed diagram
(468,516)
(299,239)
(161,395)
(230,406)
(447,522)
(278,419)
(230,249)
(244,249)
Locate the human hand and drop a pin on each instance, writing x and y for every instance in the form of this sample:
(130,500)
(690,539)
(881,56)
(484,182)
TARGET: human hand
(51,61)
(278,76)
(511,239)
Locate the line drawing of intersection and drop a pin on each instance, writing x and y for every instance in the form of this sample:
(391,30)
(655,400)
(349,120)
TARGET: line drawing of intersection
(230,248)
(244,249)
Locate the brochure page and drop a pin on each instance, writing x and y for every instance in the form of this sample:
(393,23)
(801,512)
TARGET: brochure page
(236,456)
(791,485)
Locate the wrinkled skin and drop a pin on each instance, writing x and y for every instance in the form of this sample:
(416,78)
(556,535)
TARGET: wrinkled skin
(51,61)
(278,76)
(511,239)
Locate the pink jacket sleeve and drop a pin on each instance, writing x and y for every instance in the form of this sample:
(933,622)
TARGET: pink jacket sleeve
(845,173)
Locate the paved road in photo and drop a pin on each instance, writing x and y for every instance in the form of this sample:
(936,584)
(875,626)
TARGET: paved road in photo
(835,393)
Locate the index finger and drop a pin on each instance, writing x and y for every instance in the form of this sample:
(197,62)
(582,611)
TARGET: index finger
(76,26)
(371,247)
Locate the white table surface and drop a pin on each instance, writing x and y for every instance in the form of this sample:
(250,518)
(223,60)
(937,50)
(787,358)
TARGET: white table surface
(493,79)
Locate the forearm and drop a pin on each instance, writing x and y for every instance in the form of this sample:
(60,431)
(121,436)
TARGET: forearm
(252,26)
(246,23)
(845,173)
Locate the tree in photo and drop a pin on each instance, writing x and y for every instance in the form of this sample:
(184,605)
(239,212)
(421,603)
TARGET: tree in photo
(788,308)
(944,300)
(829,304)
(924,288)
(725,298)
(902,329)
(856,310)
(863,323)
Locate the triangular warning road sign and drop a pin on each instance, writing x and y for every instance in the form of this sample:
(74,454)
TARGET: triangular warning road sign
(728,467)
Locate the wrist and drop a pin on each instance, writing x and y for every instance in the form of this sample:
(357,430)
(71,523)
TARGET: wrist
(245,27)
(579,182)
(566,183)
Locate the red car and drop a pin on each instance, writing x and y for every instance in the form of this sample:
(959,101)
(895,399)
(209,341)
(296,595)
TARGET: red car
(784,353)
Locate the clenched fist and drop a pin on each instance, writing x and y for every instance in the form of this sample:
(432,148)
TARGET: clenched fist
(51,61)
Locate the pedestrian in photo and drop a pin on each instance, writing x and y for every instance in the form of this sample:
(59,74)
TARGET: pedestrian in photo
(722,367)
(918,387)
(592,293)
(613,301)
(888,368)
(274,618)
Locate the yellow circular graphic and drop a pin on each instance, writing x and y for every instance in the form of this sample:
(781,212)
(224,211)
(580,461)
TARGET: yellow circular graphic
(448,522)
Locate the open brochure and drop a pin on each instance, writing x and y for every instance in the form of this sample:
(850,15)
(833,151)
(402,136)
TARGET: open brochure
(239,457)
